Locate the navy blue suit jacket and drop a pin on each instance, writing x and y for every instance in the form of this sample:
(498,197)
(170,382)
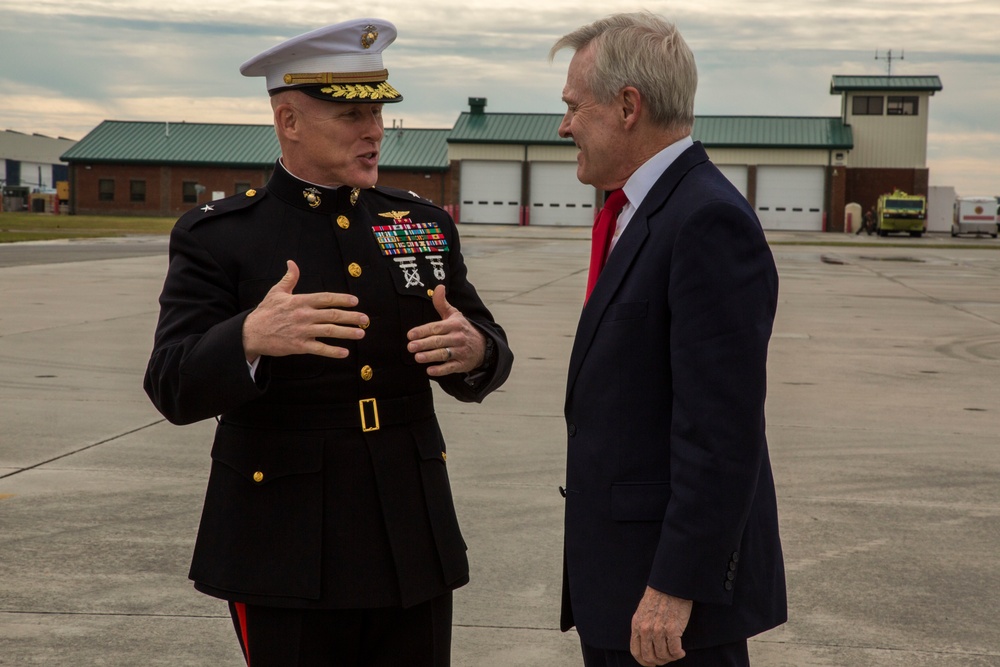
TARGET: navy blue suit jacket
(668,478)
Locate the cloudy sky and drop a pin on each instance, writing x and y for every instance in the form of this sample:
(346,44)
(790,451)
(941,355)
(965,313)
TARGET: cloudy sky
(66,66)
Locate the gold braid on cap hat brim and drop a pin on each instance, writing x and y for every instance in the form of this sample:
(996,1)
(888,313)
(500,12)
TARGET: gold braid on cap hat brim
(364,91)
(291,79)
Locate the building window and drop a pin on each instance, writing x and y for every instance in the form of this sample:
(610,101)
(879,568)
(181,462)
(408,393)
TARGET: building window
(241,188)
(902,106)
(867,105)
(106,189)
(137,190)
(190,192)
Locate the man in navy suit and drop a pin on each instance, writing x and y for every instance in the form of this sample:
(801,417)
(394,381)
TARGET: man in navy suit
(671,545)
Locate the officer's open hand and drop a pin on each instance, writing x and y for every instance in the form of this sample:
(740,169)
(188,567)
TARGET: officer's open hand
(451,345)
(285,323)
(657,626)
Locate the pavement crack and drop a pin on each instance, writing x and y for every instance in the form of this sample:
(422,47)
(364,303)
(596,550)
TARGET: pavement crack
(81,449)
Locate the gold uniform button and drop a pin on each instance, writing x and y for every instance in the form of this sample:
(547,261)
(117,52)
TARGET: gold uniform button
(430,292)
(444,456)
(354,269)
(366,372)
(258,476)
(250,193)
(366,324)
(343,222)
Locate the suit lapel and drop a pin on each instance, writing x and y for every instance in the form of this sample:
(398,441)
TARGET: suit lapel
(624,254)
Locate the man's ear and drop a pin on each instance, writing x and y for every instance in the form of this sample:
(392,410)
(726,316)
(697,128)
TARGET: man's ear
(631,106)
(286,119)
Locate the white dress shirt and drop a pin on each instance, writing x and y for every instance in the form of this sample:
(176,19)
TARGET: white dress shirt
(643,179)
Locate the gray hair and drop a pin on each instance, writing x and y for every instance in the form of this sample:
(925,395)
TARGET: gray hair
(646,52)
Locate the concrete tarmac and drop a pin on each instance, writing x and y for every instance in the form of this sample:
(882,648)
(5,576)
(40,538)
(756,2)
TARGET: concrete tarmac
(883,424)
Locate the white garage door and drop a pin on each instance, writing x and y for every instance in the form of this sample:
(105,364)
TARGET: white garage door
(558,198)
(790,197)
(491,192)
(737,175)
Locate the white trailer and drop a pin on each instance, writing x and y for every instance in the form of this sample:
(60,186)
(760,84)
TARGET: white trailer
(975,215)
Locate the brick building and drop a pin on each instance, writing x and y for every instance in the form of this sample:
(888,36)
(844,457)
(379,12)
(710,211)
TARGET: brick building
(165,169)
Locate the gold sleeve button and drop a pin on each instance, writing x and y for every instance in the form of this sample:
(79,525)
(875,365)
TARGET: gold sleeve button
(366,324)
(354,269)
(430,292)
(258,476)
(250,193)
(367,373)
(343,222)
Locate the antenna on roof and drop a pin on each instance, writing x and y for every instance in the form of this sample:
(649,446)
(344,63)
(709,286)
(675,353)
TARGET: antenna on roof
(888,58)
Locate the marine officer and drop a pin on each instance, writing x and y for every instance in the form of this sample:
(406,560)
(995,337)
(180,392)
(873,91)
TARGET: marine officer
(309,317)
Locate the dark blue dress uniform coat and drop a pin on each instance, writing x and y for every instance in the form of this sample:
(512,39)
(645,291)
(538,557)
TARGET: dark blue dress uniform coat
(308,503)
(668,479)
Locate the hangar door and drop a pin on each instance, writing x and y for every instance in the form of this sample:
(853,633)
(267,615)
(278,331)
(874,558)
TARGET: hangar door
(490,192)
(558,198)
(790,197)
(737,175)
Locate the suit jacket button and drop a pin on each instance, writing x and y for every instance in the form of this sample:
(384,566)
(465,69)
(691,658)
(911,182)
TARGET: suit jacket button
(728,585)
(571,429)
(730,575)
(735,557)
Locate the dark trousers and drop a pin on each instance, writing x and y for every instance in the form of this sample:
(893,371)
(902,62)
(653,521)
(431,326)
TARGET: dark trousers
(417,637)
(726,655)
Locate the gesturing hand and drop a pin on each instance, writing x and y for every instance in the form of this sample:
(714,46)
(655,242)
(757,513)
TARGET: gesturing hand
(657,626)
(452,344)
(285,323)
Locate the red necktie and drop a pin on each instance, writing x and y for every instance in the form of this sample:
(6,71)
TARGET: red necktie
(604,231)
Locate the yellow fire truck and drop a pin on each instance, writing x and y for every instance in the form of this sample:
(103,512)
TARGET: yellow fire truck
(900,212)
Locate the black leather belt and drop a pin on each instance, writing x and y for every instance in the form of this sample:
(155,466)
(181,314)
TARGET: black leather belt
(368,414)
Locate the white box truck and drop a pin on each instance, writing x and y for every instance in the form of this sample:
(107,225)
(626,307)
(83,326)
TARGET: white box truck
(975,215)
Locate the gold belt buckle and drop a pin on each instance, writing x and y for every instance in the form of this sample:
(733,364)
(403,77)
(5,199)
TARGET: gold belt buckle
(365,428)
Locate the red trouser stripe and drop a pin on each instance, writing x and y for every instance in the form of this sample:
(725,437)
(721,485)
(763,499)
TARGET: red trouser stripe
(241,612)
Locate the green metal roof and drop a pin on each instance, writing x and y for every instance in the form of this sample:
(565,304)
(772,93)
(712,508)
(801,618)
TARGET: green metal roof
(772,132)
(414,149)
(220,144)
(139,142)
(713,131)
(840,84)
(508,128)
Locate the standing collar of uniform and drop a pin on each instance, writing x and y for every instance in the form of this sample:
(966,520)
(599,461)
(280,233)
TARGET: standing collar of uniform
(296,192)
(644,178)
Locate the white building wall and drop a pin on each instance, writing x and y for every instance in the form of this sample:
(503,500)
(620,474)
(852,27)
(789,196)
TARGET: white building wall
(552,153)
(36,175)
(777,156)
(889,142)
(486,152)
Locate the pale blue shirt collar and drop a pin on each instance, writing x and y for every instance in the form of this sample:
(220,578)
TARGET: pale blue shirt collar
(644,178)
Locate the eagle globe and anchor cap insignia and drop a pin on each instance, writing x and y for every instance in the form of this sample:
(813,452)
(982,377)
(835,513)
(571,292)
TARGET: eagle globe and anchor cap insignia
(368,36)
(312,197)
